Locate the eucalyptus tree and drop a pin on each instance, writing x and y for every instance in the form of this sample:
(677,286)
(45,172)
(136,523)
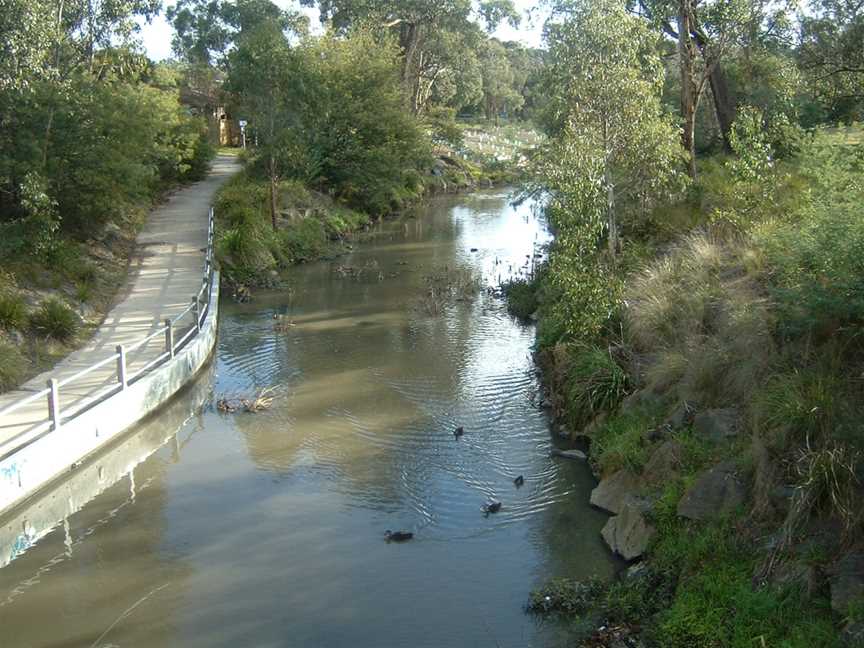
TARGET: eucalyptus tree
(614,144)
(831,53)
(419,26)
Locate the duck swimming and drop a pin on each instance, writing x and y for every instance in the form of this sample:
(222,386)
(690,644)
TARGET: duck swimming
(459,431)
(397,536)
(519,481)
(492,507)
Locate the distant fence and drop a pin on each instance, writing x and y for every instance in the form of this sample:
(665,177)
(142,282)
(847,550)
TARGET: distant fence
(176,334)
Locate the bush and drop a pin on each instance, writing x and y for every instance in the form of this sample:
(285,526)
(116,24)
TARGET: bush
(806,406)
(814,255)
(521,296)
(12,365)
(13,311)
(304,240)
(595,382)
(56,320)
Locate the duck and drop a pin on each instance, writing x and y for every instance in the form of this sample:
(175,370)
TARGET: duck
(398,536)
(492,507)
(519,481)
(459,431)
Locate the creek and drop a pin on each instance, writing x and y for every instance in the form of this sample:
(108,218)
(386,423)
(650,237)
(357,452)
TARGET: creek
(267,529)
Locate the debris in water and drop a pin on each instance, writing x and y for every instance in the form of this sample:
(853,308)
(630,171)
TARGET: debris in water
(261,401)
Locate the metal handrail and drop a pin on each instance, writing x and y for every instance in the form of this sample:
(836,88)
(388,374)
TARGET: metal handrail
(199,306)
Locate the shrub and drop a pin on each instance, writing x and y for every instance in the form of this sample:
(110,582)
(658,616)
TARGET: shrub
(12,365)
(304,240)
(13,311)
(56,320)
(521,296)
(806,406)
(595,382)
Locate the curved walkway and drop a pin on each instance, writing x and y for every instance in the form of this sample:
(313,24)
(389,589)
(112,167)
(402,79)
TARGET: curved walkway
(165,273)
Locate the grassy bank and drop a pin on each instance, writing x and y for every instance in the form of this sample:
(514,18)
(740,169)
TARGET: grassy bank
(726,375)
(312,224)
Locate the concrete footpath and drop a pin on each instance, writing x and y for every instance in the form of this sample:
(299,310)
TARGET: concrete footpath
(165,273)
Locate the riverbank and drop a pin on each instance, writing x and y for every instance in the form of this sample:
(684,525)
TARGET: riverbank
(165,276)
(312,224)
(52,304)
(721,401)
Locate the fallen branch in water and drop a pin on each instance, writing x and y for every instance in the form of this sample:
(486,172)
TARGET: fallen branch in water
(262,400)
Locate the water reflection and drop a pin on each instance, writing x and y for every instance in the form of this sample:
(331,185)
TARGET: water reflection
(268,529)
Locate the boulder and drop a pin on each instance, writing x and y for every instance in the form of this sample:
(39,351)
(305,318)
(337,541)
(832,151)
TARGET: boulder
(846,579)
(612,491)
(628,533)
(644,398)
(594,425)
(681,416)
(717,424)
(716,491)
(663,463)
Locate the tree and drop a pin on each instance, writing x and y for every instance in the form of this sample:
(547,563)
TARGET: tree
(705,33)
(499,91)
(263,78)
(614,141)
(831,53)
(419,26)
(204,30)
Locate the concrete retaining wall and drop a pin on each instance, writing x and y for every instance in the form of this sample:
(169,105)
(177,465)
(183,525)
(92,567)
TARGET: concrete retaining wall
(27,471)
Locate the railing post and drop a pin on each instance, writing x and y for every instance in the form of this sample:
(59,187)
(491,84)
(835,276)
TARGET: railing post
(54,403)
(121,366)
(196,309)
(169,337)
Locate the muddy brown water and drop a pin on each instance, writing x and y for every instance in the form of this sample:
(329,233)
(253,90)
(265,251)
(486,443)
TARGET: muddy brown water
(267,529)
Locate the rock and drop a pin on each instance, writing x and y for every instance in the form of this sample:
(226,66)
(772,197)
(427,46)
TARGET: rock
(798,575)
(846,579)
(717,424)
(111,233)
(628,534)
(853,633)
(644,398)
(594,425)
(663,463)
(569,454)
(715,492)
(681,416)
(611,492)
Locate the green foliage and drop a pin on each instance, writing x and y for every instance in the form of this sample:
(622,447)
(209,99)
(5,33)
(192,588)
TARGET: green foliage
(305,240)
(814,258)
(13,310)
(620,442)
(354,135)
(595,382)
(521,296)
(12,366)
(805,406)
(54,319)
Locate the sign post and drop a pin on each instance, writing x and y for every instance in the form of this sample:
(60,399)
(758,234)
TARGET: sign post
(243,123)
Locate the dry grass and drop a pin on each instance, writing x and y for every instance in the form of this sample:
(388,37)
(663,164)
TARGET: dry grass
(446,285)
(702,320)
